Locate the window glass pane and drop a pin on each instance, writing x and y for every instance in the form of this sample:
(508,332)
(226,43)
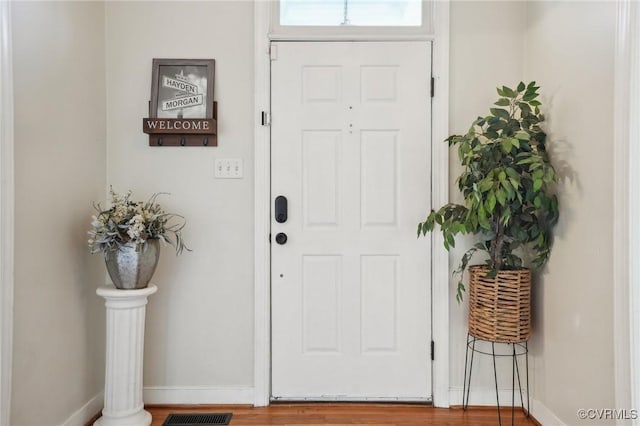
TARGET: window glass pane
(383,13)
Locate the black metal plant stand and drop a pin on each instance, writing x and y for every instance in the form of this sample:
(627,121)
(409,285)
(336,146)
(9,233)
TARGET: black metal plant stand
(517,349)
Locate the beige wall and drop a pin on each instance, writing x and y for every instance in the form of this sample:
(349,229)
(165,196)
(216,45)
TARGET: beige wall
(483,56)
(572,60)
(572,346)
(59,170)
(200,323)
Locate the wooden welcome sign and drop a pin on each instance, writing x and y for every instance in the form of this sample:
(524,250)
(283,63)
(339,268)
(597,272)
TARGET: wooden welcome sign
(182,111)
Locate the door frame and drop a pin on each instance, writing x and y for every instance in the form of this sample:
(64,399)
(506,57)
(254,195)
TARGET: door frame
(262,196)
(6,211)
(626,241)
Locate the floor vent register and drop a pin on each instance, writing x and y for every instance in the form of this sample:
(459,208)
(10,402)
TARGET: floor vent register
(197,419)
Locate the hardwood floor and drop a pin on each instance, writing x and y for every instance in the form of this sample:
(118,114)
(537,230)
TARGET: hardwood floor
(348,414)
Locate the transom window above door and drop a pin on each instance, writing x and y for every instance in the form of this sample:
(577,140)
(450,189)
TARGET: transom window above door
(381,13)
(352,19)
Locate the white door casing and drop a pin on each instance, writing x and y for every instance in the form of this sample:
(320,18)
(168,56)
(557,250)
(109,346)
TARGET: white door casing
(6,211)
(626,247)
(351,286)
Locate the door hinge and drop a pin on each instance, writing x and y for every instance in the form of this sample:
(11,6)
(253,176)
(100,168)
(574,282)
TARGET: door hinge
(433,350)
(273,52)
(266,118)
(433,87)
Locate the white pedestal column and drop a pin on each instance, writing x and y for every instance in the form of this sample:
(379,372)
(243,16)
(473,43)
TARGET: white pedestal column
(125,348)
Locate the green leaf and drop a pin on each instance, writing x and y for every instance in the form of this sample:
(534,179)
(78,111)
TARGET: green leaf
(491,134)
(499,112)
(503,102)
(501,196)
(522,135)
(506,216)
(485,185)
(507,186)
(549,175)
(491,202)
(527,160)
(495,127)
(481,213)
(450,240)
(538,174)
(537,202)
(492,274)
(512,173)
(537,184)
(460,292)
(479,121)
(509,93)
(521,87)
(506,145)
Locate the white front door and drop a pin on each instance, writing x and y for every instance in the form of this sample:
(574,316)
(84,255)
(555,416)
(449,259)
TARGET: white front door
(350,286)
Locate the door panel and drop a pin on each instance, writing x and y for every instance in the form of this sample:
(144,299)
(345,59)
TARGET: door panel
(350,287)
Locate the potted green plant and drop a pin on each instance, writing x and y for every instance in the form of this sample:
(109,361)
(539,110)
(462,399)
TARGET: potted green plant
(129,234)
(508,186)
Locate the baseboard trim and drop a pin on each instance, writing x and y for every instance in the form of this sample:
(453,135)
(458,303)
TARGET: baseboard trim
(198,395)
(486,396)
(544,415)
(88,411)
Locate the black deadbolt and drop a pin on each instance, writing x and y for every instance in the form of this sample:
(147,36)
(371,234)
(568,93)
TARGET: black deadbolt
(281,209)
(281,238)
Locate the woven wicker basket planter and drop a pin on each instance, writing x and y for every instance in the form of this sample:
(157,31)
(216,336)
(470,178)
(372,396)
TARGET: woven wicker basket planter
(500,307)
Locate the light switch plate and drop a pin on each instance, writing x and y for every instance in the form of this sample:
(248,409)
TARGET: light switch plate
(228,168)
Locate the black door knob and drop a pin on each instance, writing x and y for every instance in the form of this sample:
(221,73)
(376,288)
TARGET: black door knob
(281,238)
